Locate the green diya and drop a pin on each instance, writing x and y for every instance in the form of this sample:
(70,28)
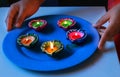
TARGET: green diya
(37,24)
(66,23)
(27,40)
(52,47)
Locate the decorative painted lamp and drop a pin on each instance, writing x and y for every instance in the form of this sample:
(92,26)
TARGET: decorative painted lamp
(76,36)
(66,23)
(37,24)
(27,40)
(52,47)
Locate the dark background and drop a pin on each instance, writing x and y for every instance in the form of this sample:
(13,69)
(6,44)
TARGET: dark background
(7,3)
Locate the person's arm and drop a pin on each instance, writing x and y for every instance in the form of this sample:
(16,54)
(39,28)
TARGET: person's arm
(111,4)
(20,10)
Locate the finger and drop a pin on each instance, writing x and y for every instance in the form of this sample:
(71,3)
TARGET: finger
(10,17)
(21,17)
(102,41)
(102,20)
(108,34)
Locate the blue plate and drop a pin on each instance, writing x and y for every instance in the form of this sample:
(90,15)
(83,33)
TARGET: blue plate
(35,59)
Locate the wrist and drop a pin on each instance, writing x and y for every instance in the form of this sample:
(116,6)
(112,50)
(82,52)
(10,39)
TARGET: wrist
(112,3)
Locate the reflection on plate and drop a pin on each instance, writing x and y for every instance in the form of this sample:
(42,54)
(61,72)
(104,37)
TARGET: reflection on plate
(35,59)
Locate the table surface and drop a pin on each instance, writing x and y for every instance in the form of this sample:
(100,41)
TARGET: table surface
(102,63)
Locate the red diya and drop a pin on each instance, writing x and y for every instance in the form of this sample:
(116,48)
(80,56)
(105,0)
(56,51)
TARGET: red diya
(37,24)
(66,23)
(27,40)
(76,36)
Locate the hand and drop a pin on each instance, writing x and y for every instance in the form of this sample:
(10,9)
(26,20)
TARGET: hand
(113,16)
(20,10)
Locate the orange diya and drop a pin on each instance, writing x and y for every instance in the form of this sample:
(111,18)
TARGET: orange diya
(27,40)
(52,47)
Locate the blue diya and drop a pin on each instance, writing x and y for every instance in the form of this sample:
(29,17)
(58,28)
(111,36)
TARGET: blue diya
(27,40)
(66,23)
(52,47)
(76,35)
(38,24)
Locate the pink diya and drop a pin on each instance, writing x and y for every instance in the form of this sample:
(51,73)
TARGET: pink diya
(38,24)
(76,36)
(66,23)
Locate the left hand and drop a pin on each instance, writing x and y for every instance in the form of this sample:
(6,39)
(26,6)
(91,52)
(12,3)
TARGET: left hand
(113,16)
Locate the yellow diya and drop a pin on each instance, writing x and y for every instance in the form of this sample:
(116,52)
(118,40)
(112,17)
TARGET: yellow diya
(52,47)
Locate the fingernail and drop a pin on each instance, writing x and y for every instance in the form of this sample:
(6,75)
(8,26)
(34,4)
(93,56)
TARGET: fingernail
(17,25)
(94,24)
(100,47)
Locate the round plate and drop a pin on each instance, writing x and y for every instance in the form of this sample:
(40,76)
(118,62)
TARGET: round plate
(35,59)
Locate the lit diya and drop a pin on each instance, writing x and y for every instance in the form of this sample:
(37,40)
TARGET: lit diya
(52,47)
(76,36)
(66,23)
(37,24)
(27,40)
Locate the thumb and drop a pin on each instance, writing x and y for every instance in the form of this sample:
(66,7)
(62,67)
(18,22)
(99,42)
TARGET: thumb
(102,20)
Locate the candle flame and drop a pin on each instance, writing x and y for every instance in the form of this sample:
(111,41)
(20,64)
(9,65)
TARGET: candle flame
(51,45)
(27,39)
(38,22)
(65,22)
(76,34)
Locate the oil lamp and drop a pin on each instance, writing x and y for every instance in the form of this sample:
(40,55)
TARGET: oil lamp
(52,47)
(76,35)
(37,24)
(27,40)
(66,23)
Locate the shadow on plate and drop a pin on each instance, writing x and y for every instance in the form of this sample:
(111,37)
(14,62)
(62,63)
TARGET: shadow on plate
(86,64)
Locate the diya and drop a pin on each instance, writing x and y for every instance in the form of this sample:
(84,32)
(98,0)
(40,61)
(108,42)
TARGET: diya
(66,23)
(37,24)
(76,36)
(27,40)
(52,47)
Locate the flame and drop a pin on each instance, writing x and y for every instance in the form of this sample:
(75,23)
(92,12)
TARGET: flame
(38,22)
(76,34)
(51,45)
(65,22)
